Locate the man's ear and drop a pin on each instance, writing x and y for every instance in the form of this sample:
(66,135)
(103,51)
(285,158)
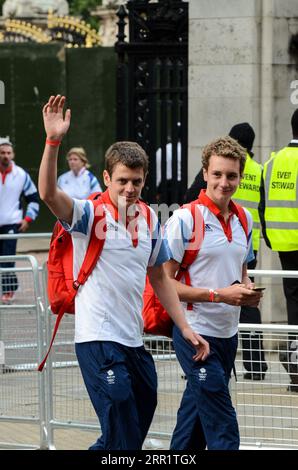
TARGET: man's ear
(106,178)
(205,174)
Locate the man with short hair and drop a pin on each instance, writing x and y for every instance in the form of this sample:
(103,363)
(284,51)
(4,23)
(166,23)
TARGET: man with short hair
(119,373)
(15,185)
(219,286)
(248,195)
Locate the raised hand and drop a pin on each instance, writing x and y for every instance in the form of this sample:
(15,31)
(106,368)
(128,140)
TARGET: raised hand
(56,125)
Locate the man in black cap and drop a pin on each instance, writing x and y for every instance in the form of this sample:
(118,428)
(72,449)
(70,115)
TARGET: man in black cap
(247,195)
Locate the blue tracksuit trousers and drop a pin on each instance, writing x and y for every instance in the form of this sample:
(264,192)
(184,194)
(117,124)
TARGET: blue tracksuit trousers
(206,416)
(122,385)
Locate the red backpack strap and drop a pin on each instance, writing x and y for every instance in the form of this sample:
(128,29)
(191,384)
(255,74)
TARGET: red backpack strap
(194,244)
(242,218)
(95,246)
(60,314)
(96,243)
(94,196)
(146,212)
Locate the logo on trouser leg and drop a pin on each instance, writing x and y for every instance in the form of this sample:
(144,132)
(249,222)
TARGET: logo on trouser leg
(202,374)
(110,377)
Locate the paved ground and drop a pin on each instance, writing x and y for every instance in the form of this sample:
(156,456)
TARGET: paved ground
(267,412)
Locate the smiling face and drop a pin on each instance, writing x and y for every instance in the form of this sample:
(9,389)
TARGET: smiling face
(125,183)
(6,155)
(75,163)
(222,177)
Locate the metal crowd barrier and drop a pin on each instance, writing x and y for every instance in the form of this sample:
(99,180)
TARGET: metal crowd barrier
(267,411)
(21,337)
(57,399)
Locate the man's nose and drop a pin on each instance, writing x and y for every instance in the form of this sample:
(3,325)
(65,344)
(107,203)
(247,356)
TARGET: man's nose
(129,187)
(224,180)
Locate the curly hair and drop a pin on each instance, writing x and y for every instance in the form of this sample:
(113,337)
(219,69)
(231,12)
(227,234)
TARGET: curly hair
(129,154)
(224,147)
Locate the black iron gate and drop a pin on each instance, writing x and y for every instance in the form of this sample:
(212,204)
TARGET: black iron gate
(152,91)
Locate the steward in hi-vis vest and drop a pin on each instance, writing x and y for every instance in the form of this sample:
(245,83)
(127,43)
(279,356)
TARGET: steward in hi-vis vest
(279,218)
(248,195)
(281,199)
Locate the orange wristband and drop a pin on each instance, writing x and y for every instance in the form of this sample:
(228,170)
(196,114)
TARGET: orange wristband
(53,143)
(211,295)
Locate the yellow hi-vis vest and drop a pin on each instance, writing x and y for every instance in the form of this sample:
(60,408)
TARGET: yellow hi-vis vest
(248,195)
(281,199)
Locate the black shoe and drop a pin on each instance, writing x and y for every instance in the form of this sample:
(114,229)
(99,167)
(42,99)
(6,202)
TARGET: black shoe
(254,376)
(284,359)
(292,388)
(290,367)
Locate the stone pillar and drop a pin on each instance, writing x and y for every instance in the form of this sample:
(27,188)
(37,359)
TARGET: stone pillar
(224,41)
(108,21)
(34,8)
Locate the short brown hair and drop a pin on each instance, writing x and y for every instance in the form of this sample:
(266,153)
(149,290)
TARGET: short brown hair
(224,147)
(129,154)
(81,153)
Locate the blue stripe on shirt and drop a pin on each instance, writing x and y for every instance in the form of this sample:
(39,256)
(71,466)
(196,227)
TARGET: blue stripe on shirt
(159,253)
(185,232)
(27,183)
(81,225)
(93,183)
(163,254)
(250,255)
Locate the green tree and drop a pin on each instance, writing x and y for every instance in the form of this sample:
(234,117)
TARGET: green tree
(1,4)
(83,8)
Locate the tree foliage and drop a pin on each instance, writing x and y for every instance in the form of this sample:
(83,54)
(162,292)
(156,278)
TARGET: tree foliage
(1,4)
(83,8)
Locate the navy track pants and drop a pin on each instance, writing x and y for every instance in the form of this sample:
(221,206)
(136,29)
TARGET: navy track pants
(206,416)
(9,280)
(122,385)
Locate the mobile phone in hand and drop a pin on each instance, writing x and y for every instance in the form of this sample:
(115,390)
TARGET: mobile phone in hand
(258,288)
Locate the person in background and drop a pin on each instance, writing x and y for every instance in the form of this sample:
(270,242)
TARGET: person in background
(78,182)
(15,185)
(248,196)
(279,217)
(166,186)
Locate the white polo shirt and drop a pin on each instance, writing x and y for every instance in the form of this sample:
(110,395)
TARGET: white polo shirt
(218,264)
(108,307)
(169,153)
(13,185)
(79,186)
